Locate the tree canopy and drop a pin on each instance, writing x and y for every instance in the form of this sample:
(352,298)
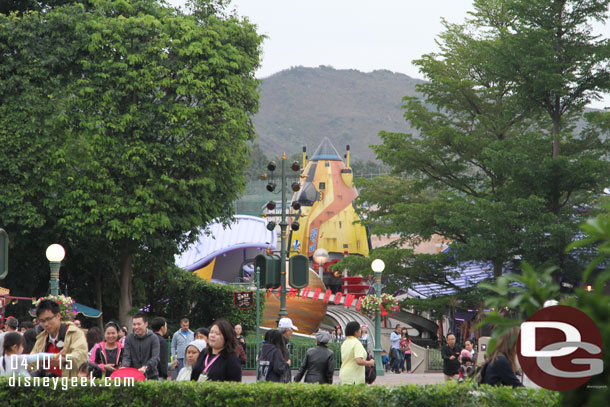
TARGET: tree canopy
(497,167)
(123,129)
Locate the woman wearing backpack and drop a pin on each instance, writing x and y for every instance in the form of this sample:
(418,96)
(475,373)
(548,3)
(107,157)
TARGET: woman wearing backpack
(273,360)
(502,363)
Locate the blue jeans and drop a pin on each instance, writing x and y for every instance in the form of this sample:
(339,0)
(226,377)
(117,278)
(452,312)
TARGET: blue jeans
(397,361)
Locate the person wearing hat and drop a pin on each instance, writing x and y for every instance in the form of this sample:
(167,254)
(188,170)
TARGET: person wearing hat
(191,354)
(286,328)
(319,362)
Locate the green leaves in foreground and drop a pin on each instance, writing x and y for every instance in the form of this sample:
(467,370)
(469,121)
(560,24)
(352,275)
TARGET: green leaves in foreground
(188,394)
(515,297)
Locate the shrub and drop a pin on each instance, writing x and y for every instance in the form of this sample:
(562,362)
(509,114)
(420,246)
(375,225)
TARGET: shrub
(182,294)
(187,394)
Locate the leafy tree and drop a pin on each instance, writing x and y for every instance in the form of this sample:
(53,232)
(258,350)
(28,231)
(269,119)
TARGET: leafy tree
(367,169)
(523,295)
(402,266)
(481,171)
(137,119)
(548,54)
(257,163)
(179,293)
(595,304)
(21,6)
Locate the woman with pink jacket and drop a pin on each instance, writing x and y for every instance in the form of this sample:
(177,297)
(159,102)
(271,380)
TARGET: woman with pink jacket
(108,354)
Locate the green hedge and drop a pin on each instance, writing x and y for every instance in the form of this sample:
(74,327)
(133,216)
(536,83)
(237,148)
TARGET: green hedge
(183,294)
(181,394)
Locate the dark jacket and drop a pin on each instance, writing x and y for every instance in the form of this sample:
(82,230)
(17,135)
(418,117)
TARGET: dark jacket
(500,372)
(271,364)
(226,368)
(142,351)
(163,356)
(319,363)
(451,366)
(287,376)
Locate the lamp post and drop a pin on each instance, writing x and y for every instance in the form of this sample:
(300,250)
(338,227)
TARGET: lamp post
(320,256)
(377,266)
(55,254)
(283,224)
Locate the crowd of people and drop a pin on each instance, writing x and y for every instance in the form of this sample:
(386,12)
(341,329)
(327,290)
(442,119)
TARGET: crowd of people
(498,368)
(56,348)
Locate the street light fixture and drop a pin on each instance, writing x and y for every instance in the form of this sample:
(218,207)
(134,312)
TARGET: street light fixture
(378,266)
(55,254)
(320,256)
(271,186)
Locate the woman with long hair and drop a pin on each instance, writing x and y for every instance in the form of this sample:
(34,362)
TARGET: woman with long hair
(353,356)
(219,361)
(273,360)
(93,336)
(108,354)
(123,334)
(405,350)
(30,340)
(14,362)
(502,362)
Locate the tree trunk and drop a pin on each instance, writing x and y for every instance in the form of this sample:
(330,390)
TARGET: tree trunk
(98,297)
(125,290)
(498,267)
(556,130)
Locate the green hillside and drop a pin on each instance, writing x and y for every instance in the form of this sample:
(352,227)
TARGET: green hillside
(300,106)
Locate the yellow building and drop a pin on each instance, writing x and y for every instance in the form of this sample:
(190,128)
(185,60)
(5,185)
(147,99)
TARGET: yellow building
(328,213)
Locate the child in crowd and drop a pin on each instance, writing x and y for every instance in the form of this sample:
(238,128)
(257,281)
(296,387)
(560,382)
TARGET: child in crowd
(91,370)
(202,333)
(385,360)
(14,362)
(466,367)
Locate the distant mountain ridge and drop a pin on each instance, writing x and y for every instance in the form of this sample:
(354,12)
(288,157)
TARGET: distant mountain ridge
(300,106)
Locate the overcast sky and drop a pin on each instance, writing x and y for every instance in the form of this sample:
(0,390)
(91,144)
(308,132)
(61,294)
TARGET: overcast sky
(352,34)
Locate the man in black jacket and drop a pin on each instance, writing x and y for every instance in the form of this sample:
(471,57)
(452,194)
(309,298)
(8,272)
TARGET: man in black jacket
(142,348)
(159,327)
(450,354)
(319,362)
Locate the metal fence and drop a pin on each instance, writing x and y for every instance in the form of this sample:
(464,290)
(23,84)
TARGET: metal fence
(435,360)
(298,349)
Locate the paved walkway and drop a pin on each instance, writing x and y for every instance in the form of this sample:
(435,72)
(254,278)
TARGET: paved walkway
(389,379)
